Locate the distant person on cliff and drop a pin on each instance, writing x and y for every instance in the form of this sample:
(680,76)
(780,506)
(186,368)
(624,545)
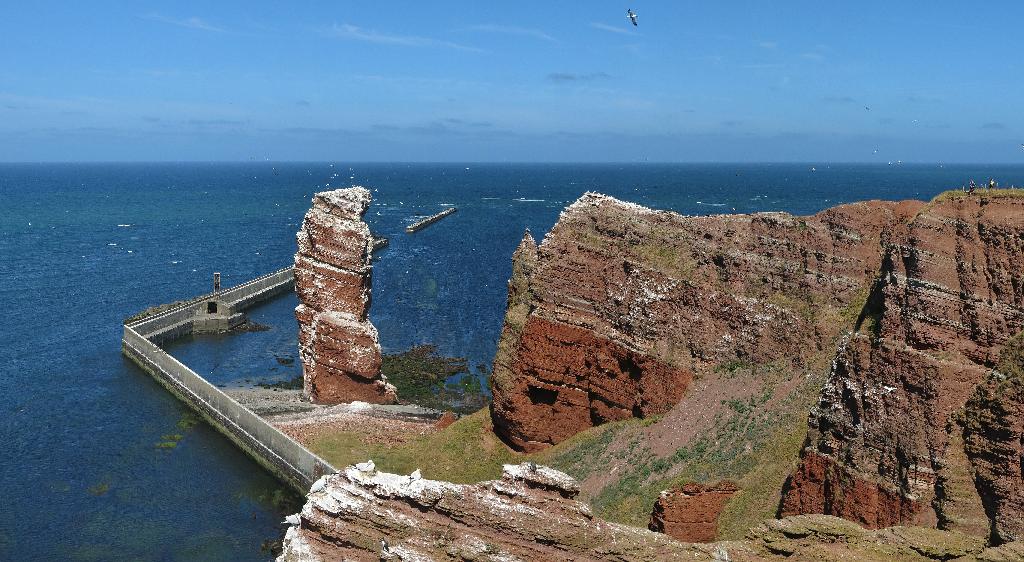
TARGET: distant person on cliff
(972,187)
(992,183)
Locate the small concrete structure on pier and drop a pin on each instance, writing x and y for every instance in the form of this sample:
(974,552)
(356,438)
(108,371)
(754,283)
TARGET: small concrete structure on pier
(274,450)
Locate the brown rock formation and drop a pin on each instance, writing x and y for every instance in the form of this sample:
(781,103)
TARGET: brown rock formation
(690,513)
(530,515)
(338,345)
(445,420)
(994,438)
(621,306)
(950,293)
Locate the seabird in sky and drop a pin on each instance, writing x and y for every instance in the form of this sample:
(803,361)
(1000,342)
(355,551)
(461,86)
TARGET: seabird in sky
(631,15)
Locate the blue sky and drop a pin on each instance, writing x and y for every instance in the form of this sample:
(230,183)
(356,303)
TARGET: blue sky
(933,81)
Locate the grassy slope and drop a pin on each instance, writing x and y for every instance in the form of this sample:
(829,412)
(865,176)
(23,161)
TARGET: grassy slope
(465,452)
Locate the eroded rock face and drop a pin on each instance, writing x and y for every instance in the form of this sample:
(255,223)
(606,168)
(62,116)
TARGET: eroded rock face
(621,306)
(529,514)
(338,345)
(884,443)
(994,439)
(690,512)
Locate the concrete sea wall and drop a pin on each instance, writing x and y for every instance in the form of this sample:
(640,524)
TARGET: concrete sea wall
(274,450)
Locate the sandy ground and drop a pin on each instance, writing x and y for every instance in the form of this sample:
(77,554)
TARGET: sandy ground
(305,422)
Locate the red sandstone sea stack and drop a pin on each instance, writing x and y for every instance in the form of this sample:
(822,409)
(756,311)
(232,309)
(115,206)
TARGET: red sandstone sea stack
(338,345)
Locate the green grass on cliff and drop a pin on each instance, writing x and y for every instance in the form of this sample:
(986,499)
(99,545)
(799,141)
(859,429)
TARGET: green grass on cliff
(468,451)
(465,452)
(980,193)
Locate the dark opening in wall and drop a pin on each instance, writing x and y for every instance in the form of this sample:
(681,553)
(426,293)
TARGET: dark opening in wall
(629,367)
(211,307)
(542,395)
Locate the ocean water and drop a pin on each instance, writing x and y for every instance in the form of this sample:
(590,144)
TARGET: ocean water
(83,246)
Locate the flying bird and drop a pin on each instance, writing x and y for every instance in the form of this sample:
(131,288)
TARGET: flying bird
(631,15)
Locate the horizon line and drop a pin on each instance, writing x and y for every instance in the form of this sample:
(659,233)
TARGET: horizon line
(552,162)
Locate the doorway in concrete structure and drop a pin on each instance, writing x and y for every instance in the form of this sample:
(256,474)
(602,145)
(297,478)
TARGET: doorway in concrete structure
(211,307)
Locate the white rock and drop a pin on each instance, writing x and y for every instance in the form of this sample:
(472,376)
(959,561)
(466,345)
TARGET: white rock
(318,485)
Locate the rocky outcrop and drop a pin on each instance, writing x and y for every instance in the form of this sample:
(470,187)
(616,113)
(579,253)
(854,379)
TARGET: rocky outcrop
(690,512)
(994,440)
(338,345)
(621,306)
(884,444)
(529,514)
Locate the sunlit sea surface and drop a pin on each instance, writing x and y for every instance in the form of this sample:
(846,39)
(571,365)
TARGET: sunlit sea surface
(83,246)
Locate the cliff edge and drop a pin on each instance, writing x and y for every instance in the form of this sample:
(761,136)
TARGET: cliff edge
(613,315)
(909,428)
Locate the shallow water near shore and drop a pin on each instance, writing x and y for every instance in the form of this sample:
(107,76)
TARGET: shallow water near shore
(84,246)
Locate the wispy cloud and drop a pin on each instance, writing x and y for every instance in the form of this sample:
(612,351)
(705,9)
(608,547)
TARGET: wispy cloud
(768,45)
(354,33)
(621,30)
(572,77)
(513,30)
(818,57)
(994,126)
(838,99)
(190,23)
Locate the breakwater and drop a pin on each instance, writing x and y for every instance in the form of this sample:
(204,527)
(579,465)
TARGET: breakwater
(429,220)
(274,450)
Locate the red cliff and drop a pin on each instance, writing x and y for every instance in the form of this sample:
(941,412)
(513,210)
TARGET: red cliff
(531,514)
(621,306)
(690,512)
(338,345)
(896,435)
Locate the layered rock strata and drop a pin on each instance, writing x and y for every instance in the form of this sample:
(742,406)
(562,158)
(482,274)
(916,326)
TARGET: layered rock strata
(886,440)
(690,512)
(613,315)
(994,439)
(530,514)
(338,345)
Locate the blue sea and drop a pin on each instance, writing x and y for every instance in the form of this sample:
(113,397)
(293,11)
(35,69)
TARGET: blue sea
(82,246)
